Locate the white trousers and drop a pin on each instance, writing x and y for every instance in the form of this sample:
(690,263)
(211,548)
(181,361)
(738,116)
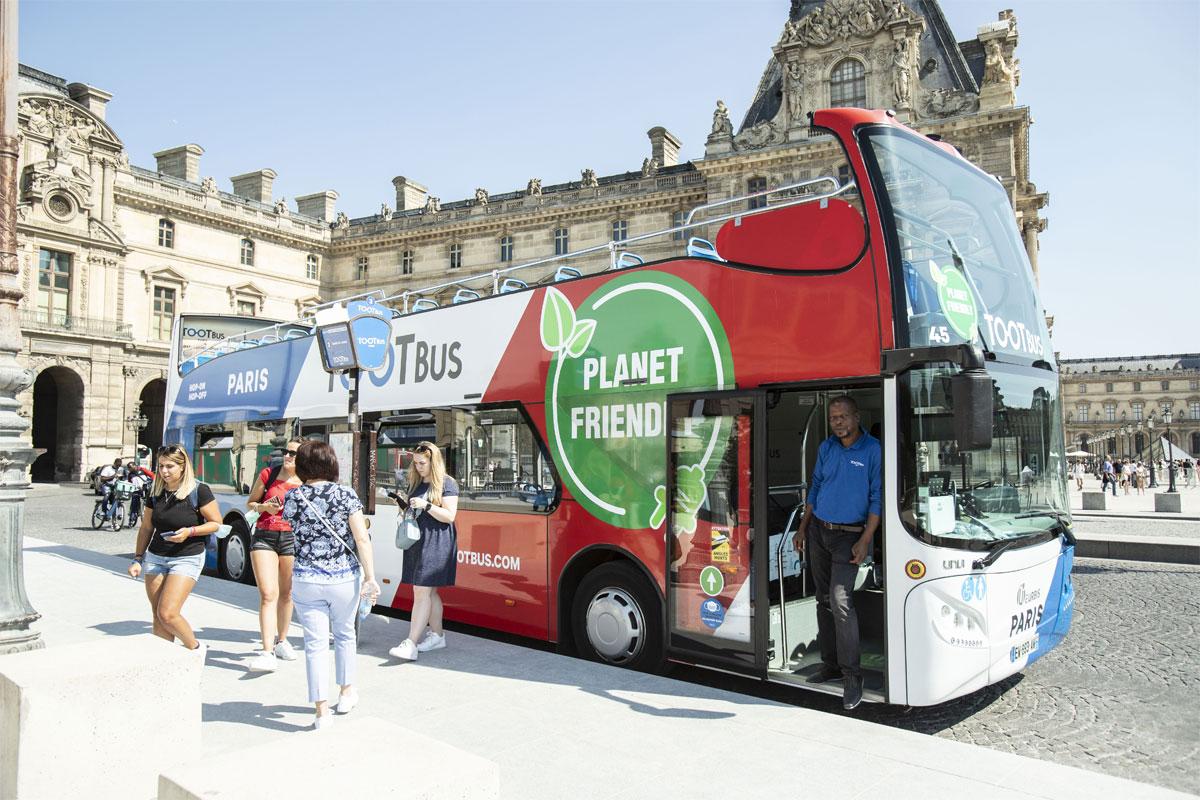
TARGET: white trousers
(323,606)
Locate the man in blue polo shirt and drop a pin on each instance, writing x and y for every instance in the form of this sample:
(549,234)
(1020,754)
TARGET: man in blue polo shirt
(839,523)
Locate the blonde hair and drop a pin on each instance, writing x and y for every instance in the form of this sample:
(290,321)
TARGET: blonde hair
(437,471)
(176,455)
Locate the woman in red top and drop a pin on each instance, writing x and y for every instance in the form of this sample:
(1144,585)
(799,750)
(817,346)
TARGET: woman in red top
(272,552)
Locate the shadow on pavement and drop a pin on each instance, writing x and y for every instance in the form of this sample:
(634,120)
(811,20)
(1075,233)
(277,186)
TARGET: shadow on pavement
(256,714)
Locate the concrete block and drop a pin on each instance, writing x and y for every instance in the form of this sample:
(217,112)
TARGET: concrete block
(99,719)
(356,757)
(1168,501)
(1093,501)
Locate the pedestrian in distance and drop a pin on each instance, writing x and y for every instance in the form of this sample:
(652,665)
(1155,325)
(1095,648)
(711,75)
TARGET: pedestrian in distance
(109,475)
(334,569)
(1077,471)
(430,563)
(836,532)
(1110,477)
(272,554)
(180,514)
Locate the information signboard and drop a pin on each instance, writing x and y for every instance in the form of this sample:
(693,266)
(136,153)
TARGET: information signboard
(337,347)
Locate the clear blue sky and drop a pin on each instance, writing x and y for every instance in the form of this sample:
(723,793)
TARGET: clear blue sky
(456,95)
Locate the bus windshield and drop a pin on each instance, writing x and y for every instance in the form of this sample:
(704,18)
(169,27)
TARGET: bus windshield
(965,273)
(976,499)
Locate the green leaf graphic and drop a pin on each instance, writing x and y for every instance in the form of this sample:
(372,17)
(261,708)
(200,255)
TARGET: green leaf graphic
(581,337)
(558,320)
(659,514)
(689,496)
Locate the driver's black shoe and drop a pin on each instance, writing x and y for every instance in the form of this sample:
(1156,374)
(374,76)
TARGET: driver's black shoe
(852,694)
(825,674)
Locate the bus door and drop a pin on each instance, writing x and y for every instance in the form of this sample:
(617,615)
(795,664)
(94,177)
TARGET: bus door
(712,503)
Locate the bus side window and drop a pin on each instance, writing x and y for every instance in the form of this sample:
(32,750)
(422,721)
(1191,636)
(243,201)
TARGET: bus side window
(499,462)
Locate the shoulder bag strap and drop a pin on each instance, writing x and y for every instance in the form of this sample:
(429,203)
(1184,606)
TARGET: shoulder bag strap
(327,524)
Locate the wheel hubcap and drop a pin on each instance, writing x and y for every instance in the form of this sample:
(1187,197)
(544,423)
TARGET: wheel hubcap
(616,625)
(235,557)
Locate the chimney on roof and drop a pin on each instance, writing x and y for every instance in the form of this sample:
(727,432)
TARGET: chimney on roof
(255,185)
(319,205)
(409,194)
(91,98)
(181,162)
(664,146)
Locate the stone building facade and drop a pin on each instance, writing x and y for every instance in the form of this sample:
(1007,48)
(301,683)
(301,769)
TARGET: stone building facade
(1108,403)
(110,251)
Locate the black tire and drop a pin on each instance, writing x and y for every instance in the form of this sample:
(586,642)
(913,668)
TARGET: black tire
(616,618)
(118,517)
(233,555)
(97,515)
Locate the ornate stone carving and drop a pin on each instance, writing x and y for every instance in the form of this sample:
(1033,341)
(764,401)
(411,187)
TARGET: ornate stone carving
(721,126)
(949,102)
(433,205)
(649,167)
(281,207)
(996,69)
(342,222)
(841,20)
(209,185)
(902,73)
(760,135)
(64,123)
(794,91)
(534,187)
(130,371)
(588,179)
(481,197)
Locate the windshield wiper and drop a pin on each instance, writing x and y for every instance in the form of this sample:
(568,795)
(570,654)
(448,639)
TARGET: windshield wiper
(996,551)
(960,262)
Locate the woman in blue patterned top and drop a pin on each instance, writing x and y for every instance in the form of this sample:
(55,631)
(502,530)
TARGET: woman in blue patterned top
(333,552)
(430,562)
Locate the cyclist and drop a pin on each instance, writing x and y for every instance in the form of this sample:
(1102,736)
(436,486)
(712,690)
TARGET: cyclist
(109,476)
(141,478)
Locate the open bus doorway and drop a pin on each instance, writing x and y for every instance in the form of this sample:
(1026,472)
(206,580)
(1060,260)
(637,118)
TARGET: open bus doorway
(797,424)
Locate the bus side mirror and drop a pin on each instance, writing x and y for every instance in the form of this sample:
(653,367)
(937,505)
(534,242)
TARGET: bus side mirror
(971,391)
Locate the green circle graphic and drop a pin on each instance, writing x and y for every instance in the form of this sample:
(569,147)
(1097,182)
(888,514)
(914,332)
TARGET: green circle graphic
(633,341)
(958,303)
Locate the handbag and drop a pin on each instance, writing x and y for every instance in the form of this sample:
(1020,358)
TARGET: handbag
(408,532)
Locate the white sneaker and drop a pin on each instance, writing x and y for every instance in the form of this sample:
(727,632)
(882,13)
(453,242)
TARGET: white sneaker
(322,721)
(347,702)
(263,662)
(406,651)
(284,650)
(432,641)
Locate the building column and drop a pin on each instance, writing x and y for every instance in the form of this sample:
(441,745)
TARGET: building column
(16,614)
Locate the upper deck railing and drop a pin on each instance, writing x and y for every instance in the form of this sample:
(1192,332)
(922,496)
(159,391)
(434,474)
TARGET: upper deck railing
(504,281)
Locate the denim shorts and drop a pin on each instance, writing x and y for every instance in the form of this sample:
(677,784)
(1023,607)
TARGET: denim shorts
(281,542)
(187,566)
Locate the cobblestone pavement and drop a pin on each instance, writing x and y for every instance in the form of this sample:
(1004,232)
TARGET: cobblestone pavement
(1118,696)
(1115,526)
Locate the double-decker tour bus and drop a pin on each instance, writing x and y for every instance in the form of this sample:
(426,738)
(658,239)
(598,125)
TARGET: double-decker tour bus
(633,441)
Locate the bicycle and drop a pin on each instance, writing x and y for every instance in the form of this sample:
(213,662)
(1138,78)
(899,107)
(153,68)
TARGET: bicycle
(115,516)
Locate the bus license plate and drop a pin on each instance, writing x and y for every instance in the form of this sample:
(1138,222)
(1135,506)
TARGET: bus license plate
(1023,649)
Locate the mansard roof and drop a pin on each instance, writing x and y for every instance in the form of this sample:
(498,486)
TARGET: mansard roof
(1188,361)
(948,68)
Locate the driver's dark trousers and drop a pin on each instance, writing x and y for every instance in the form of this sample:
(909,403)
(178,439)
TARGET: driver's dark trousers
(828,554)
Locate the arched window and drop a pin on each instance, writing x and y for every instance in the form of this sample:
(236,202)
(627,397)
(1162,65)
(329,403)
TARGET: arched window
(247,253)
(848,84)
(166,233)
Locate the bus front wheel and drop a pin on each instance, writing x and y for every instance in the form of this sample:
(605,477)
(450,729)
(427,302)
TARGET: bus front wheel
(616,618)
(234,556)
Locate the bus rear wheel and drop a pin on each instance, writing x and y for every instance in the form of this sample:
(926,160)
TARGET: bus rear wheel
(233,555)
(616,618)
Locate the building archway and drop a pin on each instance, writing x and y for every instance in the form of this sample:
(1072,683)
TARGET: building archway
(153,399)
(58,425)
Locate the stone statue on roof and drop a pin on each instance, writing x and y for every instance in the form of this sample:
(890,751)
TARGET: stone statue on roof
(209,185)
(481,196)
(534,187)
(342,222)
(721,126)
(588,179)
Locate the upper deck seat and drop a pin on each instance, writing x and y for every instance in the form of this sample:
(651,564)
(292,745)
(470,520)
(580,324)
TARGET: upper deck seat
(512,285)
(628,259)
(566,273)
(424,304)
(702,248)
(464,295)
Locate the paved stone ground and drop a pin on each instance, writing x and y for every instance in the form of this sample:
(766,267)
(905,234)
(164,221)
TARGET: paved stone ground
(1132,528)
(1119,696)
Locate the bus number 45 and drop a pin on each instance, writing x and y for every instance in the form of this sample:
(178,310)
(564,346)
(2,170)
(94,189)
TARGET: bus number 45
(939,334)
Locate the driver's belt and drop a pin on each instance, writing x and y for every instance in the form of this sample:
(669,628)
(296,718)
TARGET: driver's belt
(835,526)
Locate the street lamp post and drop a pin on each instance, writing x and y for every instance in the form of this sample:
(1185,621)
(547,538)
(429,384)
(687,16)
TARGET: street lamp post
(1150,442)
(1168,456)
(16,614)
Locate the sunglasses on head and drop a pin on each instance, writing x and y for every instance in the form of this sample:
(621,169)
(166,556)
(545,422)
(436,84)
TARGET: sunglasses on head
(169,449)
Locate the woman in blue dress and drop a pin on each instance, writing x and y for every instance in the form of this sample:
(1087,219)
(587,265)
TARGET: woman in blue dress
(430,563)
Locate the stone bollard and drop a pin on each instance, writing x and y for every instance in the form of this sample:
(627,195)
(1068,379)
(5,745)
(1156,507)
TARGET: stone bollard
(1094,501)
(1168,501)
(364,757)
(99,720)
